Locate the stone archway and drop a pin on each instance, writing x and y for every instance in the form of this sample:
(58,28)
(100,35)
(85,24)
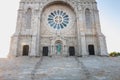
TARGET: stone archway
(58,47)
(61,44)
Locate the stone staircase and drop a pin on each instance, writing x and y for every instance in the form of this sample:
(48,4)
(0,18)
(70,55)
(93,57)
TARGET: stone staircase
(60,68)
(33,73)
(45,68)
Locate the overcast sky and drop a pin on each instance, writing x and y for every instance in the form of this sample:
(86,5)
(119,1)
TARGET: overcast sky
(109,18)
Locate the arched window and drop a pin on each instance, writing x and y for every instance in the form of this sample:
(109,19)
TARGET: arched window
(28,18)
(88,18)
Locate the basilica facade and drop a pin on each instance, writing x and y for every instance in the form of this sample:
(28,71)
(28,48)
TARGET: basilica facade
(58,28)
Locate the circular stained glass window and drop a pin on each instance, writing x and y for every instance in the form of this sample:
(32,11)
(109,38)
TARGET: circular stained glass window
(58,19)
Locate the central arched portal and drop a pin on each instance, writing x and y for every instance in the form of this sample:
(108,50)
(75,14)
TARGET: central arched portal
(58,47)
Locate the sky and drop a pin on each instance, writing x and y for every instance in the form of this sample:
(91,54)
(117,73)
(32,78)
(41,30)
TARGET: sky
(109,19)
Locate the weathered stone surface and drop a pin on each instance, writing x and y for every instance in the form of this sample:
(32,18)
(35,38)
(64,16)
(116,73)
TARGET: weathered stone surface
(77,25)
(60,68)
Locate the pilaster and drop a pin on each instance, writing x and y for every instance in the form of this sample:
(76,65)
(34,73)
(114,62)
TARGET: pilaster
(35,35)
(33,46)
(78,14)
(83,44)
(103,47)
(82,32)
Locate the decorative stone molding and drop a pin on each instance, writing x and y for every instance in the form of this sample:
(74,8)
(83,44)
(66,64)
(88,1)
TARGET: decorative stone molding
(75,33)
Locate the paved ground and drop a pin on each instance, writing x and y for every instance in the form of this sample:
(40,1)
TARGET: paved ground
(60,68)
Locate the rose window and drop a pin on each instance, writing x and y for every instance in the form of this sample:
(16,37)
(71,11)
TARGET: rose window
(58,19)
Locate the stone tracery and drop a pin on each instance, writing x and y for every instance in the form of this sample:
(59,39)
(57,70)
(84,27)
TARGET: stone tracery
(58,19)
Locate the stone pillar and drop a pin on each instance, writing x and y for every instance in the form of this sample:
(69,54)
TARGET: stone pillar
(52,50)
(38,44)
(83,44)
(33,47)
(52,47)
(82,39)
(35,34)
(65,50)
(78,53)
(82,33)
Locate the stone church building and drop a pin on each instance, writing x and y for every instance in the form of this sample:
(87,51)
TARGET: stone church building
(58,27)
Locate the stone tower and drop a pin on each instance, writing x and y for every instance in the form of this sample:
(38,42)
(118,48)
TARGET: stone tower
(58,27)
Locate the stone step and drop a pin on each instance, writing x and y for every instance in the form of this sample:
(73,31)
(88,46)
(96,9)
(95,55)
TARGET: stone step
(59,68)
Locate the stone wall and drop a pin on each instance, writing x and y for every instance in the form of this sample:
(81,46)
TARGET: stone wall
(81,28)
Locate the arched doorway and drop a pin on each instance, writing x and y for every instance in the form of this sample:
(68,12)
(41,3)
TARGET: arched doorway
(25,50)
(58,47)
(91,50)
